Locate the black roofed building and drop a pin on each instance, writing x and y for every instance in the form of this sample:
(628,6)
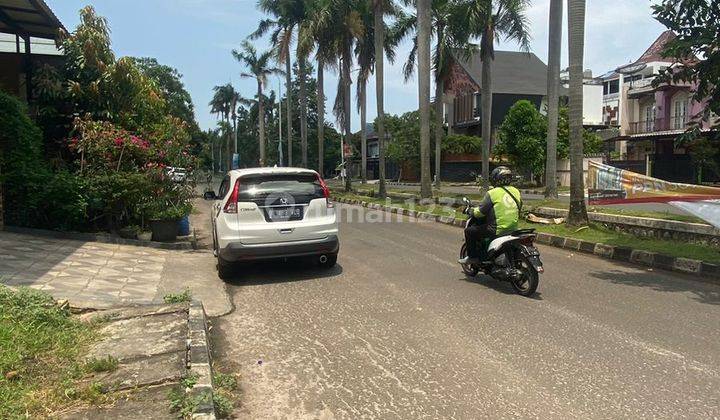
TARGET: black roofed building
(28,30)
(515,76)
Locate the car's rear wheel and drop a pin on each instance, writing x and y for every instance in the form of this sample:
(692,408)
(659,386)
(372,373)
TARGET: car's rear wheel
(328,260)
(224,268)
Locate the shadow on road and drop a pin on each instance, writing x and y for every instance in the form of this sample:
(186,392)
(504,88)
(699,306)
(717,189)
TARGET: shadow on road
(499,286)
(269,272)
(702,292)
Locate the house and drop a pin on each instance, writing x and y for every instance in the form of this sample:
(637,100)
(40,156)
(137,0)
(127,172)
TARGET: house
(28,30)
(592,98)
(373,156)
(515,76)
(650,118)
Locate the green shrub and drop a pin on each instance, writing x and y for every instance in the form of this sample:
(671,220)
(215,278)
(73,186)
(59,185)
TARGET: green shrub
(33,195)
(105,364)
(461,144)
(185,296)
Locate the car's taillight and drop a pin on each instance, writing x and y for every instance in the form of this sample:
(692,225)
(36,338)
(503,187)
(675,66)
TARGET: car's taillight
(232,203)
(326,192)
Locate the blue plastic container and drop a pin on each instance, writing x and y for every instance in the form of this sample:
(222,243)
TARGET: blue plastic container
(184,226)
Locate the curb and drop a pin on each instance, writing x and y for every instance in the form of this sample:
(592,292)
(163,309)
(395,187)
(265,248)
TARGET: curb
(704,271)
(98,237)
(199,362)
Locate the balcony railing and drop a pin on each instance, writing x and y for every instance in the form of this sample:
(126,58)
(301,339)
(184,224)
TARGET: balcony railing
(652,126)
(639,127)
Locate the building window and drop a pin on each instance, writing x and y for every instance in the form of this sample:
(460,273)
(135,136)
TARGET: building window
(476,105)
(610,87)
(649,118)
(373,150)
(680,114)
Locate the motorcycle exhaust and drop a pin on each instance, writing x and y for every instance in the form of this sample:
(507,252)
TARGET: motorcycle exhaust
(323,259)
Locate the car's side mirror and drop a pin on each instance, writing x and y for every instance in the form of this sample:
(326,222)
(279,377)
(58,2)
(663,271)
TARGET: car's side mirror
(210,195)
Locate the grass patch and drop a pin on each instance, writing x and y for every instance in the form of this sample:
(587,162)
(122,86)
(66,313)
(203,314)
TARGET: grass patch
(107,364)
(557,204)
(594,233)
(40,350)
(184,296)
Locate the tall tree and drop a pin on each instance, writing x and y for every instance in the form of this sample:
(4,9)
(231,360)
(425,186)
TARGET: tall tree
(452,39)
(259,68)
(576,46)
(553,86)
(288,15)
(348,25)
(423,53)
(222,104)
(491,20)
(318,34)
(380,7)
(366,53)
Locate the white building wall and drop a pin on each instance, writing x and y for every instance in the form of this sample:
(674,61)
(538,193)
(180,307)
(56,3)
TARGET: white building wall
(592,104)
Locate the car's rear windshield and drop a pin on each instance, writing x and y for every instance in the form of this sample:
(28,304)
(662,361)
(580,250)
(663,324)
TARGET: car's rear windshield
(256,186)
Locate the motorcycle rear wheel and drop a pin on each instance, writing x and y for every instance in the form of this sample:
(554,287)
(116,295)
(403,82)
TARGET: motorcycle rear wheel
(468,269)
(527,283)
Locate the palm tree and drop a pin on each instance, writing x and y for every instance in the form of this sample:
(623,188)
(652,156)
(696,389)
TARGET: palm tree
(318,34)
(380,7)
(452,38)
(222,104)
(348,28)
(258,69)
(576,45)
(423,53)
(492,19)
(367,58)
(553,85)
(289,15)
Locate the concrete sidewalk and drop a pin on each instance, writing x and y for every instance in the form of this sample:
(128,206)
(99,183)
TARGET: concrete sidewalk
(99,275)
(150,345)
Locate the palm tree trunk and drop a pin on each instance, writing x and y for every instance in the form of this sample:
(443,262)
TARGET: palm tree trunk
(261,124)
(439,87)
(553,85)
(288,114)
(363,131)
(576,45)
(321,116)
(347,109)
(228,144)
(486,102)
(423,18)
(303,111)
(2,210)
(379,28)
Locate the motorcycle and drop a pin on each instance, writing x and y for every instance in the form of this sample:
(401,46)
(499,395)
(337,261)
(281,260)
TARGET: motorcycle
(513,258)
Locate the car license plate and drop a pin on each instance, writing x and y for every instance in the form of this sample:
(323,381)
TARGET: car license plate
(286,213)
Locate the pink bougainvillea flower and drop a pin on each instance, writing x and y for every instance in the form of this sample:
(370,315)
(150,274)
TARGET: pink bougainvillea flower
(119,141)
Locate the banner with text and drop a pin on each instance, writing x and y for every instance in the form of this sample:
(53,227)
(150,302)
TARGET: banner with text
(610,185)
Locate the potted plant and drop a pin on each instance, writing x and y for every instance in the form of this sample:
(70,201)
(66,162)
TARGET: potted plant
(164,219)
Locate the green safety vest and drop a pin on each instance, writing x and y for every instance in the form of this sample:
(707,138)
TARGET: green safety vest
(501,209)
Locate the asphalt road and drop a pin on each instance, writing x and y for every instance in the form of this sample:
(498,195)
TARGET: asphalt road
(397,331)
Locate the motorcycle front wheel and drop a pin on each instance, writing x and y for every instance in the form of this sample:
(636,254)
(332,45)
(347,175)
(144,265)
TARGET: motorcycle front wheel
(468,269)
(527,283)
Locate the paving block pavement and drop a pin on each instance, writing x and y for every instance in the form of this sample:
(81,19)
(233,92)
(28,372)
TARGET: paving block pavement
(101,275)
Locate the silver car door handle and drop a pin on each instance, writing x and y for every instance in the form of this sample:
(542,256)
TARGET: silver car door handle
(285,231)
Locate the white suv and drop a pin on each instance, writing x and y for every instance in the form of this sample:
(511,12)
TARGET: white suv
(267,213)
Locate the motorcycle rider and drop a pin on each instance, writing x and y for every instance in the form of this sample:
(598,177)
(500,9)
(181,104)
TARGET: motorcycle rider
(499,210)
